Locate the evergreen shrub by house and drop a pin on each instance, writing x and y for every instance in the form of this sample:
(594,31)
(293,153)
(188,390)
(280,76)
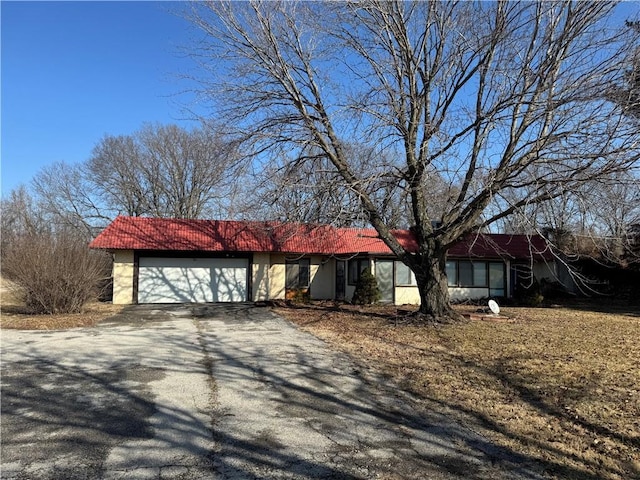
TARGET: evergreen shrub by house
(367,290)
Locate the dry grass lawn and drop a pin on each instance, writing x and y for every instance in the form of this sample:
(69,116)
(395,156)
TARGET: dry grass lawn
(13,314)
(560,385)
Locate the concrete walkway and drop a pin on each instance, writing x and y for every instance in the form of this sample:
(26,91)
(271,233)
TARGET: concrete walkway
(217,392)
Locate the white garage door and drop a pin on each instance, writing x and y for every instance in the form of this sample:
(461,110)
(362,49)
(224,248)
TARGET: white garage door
(182,280)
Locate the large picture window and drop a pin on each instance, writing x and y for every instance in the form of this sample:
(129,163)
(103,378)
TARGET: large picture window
(404,275)
(497,277)
(480,274)
(452,273)
(356,267)
(466,273)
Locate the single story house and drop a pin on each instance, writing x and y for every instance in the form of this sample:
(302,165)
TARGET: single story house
(159,260)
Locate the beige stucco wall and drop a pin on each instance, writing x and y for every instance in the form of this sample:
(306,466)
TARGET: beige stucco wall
(268,278)
(123,271)
(349,291)
(260,275)
(407,296)
(277,277)
(411,296)
(323,278)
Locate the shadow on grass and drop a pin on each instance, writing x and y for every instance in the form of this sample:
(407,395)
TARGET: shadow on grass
(358,416)
(543,402)
(67,423)
(515,383)
(15,310)
(388,313)
(610,305)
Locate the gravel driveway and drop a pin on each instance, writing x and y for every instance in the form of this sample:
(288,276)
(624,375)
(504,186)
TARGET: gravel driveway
(219,392)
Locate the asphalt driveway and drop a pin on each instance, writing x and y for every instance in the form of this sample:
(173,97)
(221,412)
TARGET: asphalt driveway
(220,392)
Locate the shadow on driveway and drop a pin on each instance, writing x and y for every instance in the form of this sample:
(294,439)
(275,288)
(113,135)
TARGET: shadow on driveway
(218,391)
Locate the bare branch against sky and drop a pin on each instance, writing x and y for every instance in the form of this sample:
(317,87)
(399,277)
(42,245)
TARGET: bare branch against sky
(504,102)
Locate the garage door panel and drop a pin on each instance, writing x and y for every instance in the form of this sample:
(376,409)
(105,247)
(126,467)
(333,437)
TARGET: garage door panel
(226,282)
(174,285)
(199,280)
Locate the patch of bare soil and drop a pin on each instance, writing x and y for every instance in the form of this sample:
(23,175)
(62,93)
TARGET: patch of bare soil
(559,385)
(14,315)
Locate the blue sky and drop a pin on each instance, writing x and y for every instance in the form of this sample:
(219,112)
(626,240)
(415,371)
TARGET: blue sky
(75,71)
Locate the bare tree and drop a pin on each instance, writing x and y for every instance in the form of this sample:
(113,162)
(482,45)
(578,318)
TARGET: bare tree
(186,170)
(627,92)
(308,189)
(615,208)
(306,192)
(18,213)
(503,101)
(19,217)
(116,167)
(55,272)
(593,219)
(66,195)
(163,171)
(48,263)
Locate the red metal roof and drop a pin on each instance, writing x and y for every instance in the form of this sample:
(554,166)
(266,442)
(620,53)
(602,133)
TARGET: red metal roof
(519,247)
(160,234)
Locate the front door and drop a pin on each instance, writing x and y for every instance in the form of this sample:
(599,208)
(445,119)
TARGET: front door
(384,275)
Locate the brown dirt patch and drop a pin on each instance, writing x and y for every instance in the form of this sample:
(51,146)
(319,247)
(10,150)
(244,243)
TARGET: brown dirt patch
(559,385)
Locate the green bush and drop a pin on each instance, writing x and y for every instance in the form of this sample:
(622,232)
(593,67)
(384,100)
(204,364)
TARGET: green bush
(367,290)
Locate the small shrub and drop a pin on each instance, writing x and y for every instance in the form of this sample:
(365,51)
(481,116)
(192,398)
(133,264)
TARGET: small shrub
(54,272)
(367,290)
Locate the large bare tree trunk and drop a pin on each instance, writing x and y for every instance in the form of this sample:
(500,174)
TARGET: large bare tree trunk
(431,277)
(434,293)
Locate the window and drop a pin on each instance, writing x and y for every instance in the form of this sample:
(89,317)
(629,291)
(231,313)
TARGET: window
(497,277)
(480,274)
(298,273)
(452,274)
(404,275)
(356,267)
(464,273)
